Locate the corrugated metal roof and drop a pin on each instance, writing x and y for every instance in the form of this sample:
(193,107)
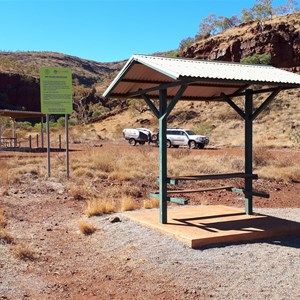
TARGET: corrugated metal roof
(20,114)
(205,79)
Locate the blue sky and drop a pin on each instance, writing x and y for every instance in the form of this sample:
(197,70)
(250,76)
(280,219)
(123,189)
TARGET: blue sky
(106,30)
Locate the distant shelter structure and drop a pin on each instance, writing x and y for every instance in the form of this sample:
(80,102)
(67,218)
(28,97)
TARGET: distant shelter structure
(12,141)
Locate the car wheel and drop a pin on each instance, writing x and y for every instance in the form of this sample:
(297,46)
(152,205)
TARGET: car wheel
(154,138)
(192,144)
(132,142)
(169,144)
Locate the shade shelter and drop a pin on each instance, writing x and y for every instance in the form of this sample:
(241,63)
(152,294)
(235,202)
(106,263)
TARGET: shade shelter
(16,114)
(172,79)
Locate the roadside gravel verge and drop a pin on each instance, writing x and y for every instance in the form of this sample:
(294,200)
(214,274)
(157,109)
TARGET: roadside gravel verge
(265,269)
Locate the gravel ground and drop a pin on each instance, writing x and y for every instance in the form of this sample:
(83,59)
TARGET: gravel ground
(266,269)
(126,260)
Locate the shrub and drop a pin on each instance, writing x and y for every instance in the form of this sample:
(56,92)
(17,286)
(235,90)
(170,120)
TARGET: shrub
(61,122)
(73,121)
(203,129)
(262,157)
(86,227)
(24,125)
(23,252)
(257,59)
(295,135)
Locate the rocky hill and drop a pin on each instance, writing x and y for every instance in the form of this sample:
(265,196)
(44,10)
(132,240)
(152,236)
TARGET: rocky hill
(19,75)
(19,71)
(279,37)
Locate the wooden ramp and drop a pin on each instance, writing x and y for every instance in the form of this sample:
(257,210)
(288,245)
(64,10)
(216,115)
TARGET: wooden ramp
(202,225)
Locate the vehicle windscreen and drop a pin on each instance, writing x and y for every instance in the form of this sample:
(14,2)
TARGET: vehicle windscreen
(190,132)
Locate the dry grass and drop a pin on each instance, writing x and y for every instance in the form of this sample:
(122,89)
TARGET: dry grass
(151,203)
(200,164)
(79,191)
(286,174)
(86,227)
(98,207)
(4,177)
(3,222)
(5,237)
(127,203)
(24,252)
(180,153)
(262,157)
(271,166)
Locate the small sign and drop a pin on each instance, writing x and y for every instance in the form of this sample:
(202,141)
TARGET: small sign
(56,91)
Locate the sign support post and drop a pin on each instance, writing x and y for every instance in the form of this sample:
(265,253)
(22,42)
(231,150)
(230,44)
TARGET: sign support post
(56,98)
(67,144)
(48,146)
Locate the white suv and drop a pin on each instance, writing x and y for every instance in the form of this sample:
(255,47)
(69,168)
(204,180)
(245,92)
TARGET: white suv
(182,137)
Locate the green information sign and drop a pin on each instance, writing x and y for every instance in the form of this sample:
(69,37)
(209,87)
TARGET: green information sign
(56,91)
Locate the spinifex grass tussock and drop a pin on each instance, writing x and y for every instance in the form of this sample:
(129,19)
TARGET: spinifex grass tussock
(180,153)
(151,203)
(146,151)
(3,222)
(79,191)
(24,252)
(5,237)
(123,175)
(200,164)
(286,174)
(81,172)
(21,166)
(98,207)
(105,163)
(4,177)
(271,165)
(86,228)
(261,156)
(126,189)
(127,203)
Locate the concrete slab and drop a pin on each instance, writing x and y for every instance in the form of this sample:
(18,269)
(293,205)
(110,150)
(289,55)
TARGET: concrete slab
(203,225)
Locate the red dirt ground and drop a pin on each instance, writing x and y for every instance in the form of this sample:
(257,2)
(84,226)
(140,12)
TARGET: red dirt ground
(69,265)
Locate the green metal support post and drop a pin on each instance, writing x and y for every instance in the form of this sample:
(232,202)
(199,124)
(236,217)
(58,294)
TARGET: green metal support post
(163,156)
(162,115)
(248,151)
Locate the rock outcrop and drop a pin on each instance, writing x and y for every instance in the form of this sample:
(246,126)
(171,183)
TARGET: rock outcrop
(279,37)
(18,92)
(19,76)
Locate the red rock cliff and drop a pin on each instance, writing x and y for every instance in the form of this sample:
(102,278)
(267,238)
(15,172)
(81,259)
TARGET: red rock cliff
(279,37)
